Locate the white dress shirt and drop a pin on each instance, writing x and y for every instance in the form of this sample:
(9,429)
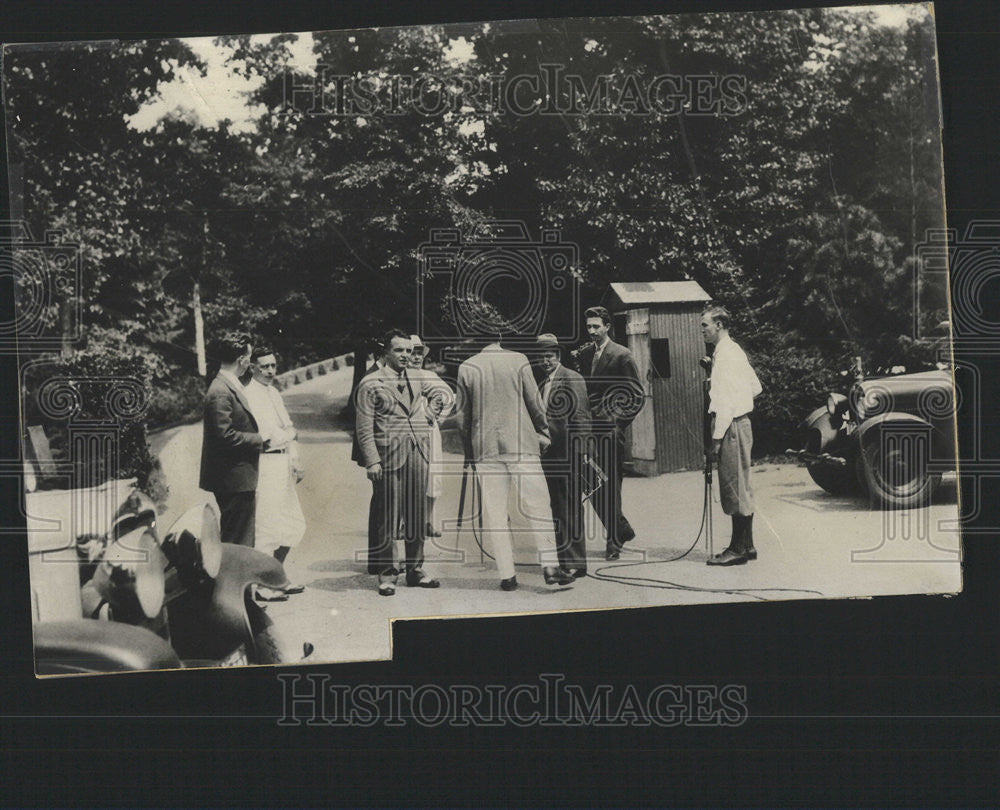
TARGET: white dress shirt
(272,418)
(732,387)
(598,351)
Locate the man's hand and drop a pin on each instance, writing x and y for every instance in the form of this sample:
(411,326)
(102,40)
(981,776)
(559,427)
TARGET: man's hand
(544,442)
(716,448)
(374,472)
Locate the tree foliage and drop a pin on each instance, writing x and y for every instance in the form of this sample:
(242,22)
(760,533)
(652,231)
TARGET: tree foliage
(800,202)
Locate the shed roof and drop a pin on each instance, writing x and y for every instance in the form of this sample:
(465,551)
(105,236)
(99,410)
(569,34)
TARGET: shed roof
(659,292)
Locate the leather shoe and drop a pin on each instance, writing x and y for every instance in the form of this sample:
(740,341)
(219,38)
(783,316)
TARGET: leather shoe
(293,588)
(387,589)
(751,553)
(576,573)
(430,531)
(419,578)
(508,584)
(557,576)
(612,552)
(728,557)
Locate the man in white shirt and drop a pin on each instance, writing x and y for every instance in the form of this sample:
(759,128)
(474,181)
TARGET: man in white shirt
(280,523)
(732,388)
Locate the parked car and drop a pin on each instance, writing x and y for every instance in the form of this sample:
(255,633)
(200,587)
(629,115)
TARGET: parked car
(890,437)
(109,593)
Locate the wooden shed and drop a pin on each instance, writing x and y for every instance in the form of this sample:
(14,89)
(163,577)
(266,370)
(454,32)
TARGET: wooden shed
(660,322)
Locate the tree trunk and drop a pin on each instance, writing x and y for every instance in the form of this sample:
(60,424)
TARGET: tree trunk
(199,331)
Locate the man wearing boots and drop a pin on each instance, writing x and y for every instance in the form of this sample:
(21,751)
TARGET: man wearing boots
(732,388)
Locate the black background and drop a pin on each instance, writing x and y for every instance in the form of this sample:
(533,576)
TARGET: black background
(892,701)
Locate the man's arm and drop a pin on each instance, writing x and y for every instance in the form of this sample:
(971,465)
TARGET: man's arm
(218,417)
(533,401)
(632,394)
(580,415)
(366,403)
(463,396)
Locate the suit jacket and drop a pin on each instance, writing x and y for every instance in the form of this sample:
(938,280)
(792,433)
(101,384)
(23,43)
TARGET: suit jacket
(500,410)
(616,393)
(567,412)
(231,445)
(390,425)
(355,447)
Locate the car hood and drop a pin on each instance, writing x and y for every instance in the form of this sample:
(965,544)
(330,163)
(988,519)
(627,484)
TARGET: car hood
(903,392)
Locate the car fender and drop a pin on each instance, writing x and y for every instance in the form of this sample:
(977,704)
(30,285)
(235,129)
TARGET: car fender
(210,621)
(871,427)
(831,439)
(90,645)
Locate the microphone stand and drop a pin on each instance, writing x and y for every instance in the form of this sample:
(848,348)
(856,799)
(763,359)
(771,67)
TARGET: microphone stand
(706,364)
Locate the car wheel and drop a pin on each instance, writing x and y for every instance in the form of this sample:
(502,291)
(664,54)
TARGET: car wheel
(895,470)
(835,480)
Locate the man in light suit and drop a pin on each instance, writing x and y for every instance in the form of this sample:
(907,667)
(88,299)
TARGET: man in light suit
(567,410)
(616,397)
(393,429)
(231,444)
(374,507)
(503,428)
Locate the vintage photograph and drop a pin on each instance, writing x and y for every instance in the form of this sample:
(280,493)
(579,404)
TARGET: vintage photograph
(321,330)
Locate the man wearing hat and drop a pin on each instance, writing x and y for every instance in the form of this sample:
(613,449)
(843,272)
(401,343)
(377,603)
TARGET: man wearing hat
(567,410)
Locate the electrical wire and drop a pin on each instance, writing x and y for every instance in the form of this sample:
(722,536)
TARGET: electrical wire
(647,582)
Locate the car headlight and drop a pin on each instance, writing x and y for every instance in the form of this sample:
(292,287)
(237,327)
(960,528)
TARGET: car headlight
(836,405)
(193,545)
(129,578)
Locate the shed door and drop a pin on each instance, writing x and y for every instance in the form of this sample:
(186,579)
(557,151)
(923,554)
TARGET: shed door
(643,427)
(677,346)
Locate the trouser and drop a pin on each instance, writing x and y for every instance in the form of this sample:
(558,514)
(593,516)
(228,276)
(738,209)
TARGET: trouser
(237,511)
(735,491)
(376,511)
(401,500)
(563,480)
(514,490)
(607,501)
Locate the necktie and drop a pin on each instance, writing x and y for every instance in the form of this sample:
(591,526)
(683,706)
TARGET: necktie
(593,363)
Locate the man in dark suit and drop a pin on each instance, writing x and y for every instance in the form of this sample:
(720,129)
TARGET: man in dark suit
(374,508)
(231,444)
(616,396)
(393,428)
(567,410)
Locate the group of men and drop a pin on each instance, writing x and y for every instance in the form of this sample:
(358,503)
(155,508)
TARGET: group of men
(249,455)
(540,439)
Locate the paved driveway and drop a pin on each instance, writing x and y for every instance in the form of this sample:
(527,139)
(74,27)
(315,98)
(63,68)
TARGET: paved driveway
(812,545)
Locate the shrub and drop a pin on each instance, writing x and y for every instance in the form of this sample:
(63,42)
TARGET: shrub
(349,360)
(321,369)
(176,400)
(795,382)
(335,365)
(95,393)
